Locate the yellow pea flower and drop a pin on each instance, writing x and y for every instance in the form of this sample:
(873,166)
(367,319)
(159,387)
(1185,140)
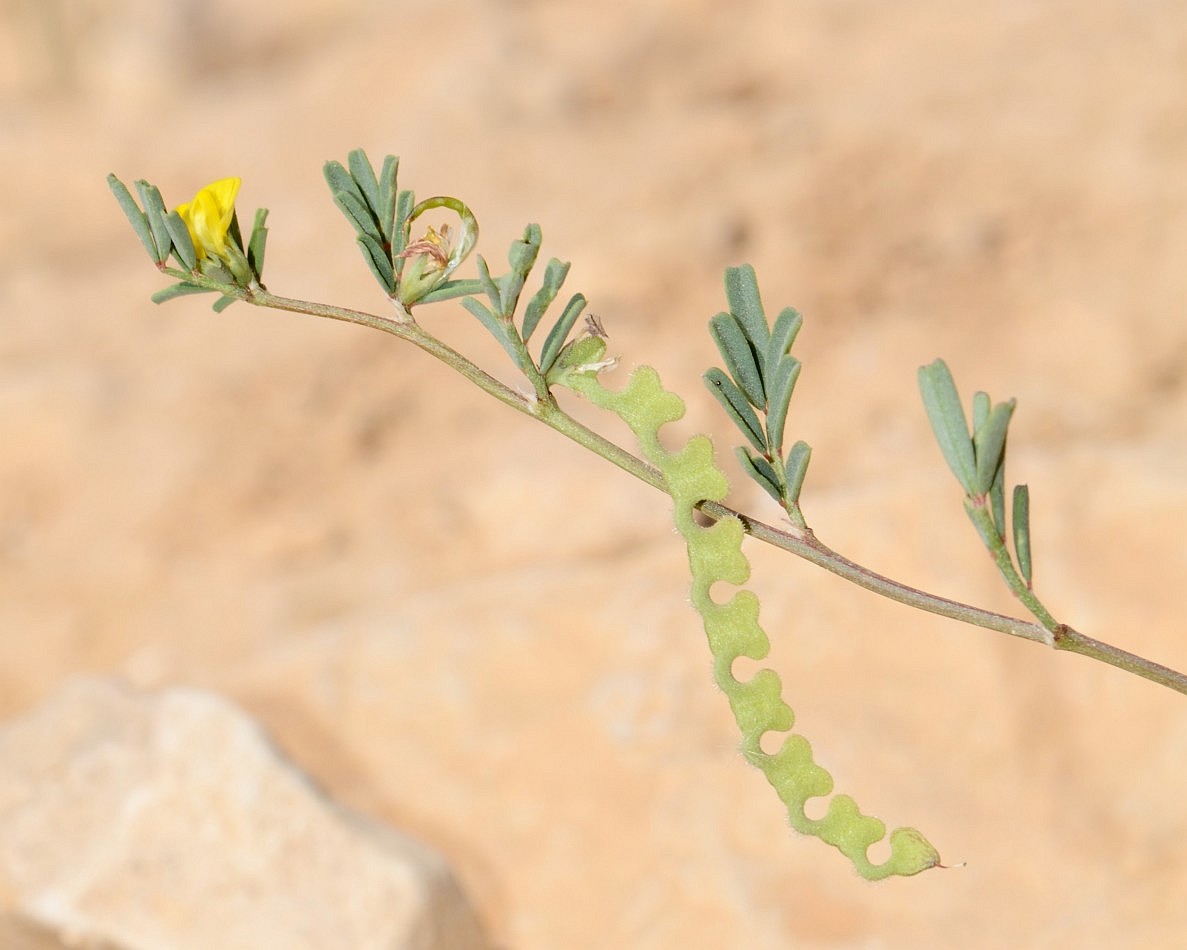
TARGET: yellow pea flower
(208,217)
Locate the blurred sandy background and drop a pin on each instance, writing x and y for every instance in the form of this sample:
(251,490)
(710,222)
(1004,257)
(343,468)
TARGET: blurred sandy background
(462,625)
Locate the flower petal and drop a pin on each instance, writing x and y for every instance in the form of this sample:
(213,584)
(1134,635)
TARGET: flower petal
(208,217)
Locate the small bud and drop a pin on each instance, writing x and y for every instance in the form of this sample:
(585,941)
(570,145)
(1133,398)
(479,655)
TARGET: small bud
(433,257)
(584,356)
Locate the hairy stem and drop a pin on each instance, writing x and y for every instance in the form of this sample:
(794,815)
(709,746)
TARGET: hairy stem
(798,541)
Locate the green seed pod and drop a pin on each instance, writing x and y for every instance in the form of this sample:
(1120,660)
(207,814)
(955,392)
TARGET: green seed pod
(715,554)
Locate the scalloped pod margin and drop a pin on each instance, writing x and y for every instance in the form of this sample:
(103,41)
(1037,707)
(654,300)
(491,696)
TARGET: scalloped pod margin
(732,628)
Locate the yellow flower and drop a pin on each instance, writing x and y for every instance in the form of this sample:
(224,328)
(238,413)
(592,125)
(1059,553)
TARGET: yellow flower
(208,217)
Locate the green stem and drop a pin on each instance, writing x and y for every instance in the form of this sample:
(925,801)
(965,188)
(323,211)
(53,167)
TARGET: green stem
(528,365)
(798,541)
(981,516)
(1075,642)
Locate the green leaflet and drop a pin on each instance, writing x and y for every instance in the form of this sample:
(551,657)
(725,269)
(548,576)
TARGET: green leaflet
(715,554)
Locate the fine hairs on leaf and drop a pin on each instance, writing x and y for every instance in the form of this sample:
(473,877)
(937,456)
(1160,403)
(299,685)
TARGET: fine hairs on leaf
(754,388)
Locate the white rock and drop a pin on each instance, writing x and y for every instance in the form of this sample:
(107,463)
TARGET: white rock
(167,820)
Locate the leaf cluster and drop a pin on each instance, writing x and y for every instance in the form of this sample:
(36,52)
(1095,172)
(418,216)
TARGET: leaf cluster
(163,234)
(377,210)
(756,385)
(382,216)
(498,313)
(978,459)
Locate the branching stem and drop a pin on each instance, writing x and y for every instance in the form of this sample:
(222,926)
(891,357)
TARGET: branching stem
(800,542)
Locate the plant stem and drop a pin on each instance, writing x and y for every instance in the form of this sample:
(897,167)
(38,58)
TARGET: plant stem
(801,542)
(987,528)
(1075,642)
